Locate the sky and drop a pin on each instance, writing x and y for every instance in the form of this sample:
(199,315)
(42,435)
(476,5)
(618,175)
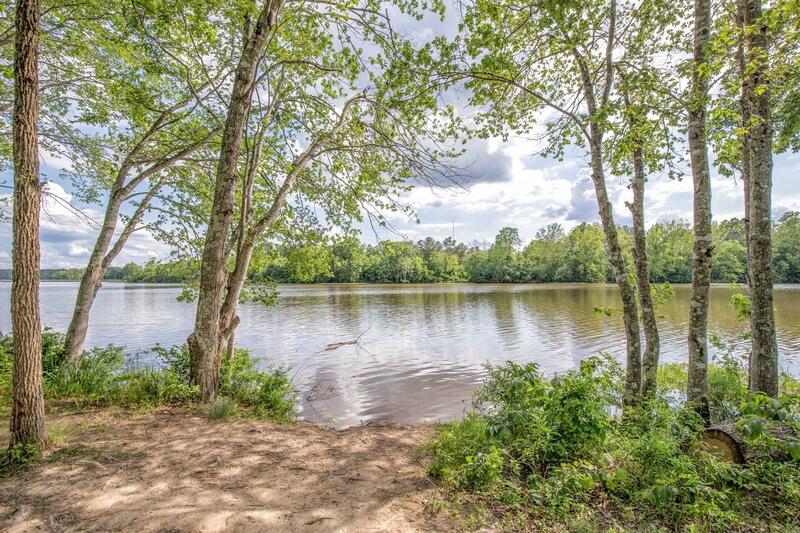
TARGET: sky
(508,185)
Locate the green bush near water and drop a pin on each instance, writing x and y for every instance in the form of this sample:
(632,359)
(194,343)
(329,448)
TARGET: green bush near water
(267,394)
(556,454)
(101,378)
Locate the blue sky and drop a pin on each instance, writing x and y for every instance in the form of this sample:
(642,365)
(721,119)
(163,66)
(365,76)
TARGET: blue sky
(509,186)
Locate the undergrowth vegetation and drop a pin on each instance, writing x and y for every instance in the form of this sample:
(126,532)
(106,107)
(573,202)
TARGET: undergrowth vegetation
(103,378)
(558,454)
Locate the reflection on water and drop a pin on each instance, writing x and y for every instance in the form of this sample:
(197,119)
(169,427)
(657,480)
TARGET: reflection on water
(423,346)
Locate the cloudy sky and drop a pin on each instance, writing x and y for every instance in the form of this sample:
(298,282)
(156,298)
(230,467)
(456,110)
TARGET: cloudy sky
(509,186)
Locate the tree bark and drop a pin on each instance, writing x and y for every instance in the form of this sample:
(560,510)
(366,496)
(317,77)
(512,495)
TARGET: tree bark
(652,342)
(102,258)
(744,107)
(697,386)
(630,318)
(203,343)
(27,410)
(594,135)
(249,235)
(91,282)
(764,355)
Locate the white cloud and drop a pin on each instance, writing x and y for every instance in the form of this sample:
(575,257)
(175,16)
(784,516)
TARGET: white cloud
(68,234)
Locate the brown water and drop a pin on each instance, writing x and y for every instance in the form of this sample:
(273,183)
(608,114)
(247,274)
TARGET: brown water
(423,346)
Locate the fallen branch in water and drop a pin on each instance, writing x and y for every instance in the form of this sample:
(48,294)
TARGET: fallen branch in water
(336,345)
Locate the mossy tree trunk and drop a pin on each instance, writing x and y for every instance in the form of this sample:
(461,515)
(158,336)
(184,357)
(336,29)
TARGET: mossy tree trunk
(764,355)
(646,308)
(697,386)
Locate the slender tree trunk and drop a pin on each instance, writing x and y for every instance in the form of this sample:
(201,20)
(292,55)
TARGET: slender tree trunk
(697,386)
(594,136)
(27,410)
(764,355)
(104,253)
(652,342)
(630,318)
(744,105)
(90,283)
(248,235)
(203,343)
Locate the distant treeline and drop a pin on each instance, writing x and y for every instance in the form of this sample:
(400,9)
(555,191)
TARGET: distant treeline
(553,256)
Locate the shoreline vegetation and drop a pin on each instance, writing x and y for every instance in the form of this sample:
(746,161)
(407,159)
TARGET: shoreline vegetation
(553,256)
(252,139)
(536,452)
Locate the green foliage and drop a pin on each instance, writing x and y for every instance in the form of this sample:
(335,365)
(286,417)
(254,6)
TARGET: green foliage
(18,458)
(727,381)
(6,366)
(524,423)
(741,304)
(93,377)
(266,393)
(550,453)
(786,247)
(553,256)
(101,377)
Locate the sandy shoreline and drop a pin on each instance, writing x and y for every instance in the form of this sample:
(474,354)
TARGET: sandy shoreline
(175,470)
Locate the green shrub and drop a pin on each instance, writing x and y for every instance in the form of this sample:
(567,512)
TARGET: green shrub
(550,451)
(100,377)
(18,458)
(52,356)
(223,408)
(175,358)
(53,351)
(6,364)
(94,377)
(269,393)
(151,388)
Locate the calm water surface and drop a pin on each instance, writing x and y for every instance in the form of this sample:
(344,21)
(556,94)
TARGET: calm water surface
(423,346)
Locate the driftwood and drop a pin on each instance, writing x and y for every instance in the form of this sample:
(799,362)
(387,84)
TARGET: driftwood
(726,441)
(336,345)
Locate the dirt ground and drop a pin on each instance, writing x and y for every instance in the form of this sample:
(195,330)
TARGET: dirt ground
(173,470)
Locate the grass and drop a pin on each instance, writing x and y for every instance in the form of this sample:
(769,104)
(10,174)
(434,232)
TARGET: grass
(102,379)
(223,408)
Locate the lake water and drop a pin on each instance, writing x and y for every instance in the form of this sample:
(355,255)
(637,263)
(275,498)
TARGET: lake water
(423,346)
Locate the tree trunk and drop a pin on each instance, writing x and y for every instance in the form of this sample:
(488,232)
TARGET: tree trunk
(102,257)
(652,342)
(744,106)
(90,283)
(630,318)
(203,343)
(728,444)
(697,385)
(764,355)
(27,410)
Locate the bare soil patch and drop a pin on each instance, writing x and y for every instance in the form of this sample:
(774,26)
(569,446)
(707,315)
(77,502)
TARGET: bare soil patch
(175,470)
